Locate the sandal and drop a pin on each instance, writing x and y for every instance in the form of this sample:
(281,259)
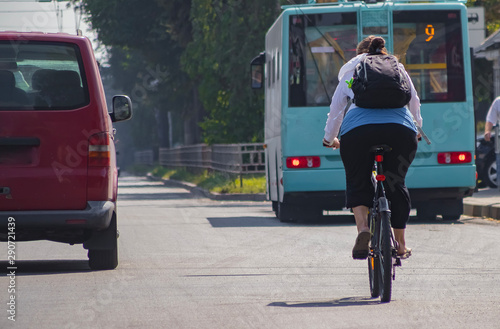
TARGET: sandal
(405,254)
(360,250)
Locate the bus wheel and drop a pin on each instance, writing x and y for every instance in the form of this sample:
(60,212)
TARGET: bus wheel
(426,214)
(285,213)
(451,217)
(275,207)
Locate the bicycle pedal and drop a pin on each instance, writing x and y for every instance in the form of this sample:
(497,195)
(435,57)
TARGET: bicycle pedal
(397,262)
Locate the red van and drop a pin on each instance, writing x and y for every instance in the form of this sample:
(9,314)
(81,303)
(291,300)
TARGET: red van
(58,174)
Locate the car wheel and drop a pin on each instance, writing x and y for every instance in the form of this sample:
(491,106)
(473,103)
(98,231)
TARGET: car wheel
(490,172)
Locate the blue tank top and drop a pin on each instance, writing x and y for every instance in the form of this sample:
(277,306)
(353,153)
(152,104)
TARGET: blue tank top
(358,116)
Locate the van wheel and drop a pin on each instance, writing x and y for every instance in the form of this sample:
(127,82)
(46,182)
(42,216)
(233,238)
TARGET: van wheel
(103,253)
(103,259)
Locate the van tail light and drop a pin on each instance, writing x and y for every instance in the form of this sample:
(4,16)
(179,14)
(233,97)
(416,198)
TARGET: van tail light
(99,150)
(454,157)
(303,162)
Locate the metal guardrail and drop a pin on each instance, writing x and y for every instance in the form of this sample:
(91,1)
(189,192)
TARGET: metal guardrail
(230,158)
(145,157)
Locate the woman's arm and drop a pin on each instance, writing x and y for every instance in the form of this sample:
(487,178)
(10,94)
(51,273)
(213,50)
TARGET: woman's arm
(337,107)
(414,105)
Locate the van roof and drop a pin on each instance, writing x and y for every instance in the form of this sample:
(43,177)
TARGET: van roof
(40,36)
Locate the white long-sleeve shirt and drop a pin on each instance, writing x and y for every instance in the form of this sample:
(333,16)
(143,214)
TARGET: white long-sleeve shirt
(342,92)
(493,115)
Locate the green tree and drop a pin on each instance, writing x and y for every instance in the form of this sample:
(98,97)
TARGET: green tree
(227,34)
(146,39)
(491,13)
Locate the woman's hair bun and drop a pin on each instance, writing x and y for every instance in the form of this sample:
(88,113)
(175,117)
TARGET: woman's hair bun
(376,45)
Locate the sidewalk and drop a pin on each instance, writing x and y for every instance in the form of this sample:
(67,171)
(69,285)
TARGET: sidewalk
(483,203)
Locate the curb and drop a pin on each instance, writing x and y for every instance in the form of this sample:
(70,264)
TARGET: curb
(489,211)
(470,209)
(207,194)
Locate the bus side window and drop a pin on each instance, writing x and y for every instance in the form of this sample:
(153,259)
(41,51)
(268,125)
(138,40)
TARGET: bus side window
(297,91)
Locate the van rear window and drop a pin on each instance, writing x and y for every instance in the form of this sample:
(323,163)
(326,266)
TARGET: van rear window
(41,76)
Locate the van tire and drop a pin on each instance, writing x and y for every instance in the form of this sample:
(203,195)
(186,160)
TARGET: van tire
(103,253)
(103,259)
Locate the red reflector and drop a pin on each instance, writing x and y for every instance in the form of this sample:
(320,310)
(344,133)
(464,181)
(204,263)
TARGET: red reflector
(380,178)
(303,162)
(76,221)
(454,157)
(379,158)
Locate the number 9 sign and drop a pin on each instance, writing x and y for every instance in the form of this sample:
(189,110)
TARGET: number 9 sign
(429,30)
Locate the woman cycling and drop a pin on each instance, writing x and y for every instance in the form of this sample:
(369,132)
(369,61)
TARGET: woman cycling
(362,128)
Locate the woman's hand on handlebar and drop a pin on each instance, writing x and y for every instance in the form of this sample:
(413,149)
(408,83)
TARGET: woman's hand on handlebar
(335,144)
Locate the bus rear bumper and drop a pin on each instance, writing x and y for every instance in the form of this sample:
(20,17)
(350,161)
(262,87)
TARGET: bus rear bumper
(442,200)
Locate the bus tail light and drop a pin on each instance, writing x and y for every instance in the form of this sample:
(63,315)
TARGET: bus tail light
(454,157)
(303,162)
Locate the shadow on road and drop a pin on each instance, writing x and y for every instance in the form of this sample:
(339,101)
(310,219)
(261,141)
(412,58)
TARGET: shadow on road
(336,220)
(348,301)
(249,221)
(44,267)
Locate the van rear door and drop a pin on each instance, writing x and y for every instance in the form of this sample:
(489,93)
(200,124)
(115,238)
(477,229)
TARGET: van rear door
(44,120)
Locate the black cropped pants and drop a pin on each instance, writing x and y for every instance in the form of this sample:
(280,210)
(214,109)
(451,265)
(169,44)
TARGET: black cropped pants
(358,162)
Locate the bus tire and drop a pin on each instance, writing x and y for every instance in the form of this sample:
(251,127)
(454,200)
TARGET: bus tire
(426,214)
(275,207)
(285,213)
(451,217)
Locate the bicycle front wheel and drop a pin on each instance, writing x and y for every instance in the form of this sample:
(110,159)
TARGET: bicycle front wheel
(373,258)
(385,260)
(374,274)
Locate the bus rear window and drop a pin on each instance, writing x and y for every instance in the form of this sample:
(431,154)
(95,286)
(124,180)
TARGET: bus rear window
(319,46)
(429,44)
(41,76)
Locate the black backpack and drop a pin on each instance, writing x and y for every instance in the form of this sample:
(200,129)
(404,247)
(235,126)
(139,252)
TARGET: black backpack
(380,83)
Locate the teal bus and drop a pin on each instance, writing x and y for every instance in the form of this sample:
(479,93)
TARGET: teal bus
(304,50)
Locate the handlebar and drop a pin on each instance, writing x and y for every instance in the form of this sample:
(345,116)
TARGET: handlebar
(424,136)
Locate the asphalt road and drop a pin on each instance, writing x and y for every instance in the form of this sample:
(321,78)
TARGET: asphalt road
(188,262)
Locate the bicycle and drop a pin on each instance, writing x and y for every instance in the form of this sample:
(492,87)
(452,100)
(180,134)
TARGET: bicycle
(383,257)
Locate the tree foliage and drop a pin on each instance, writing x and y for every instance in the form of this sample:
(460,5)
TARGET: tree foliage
(491,13)
(201,50)
(190,58)
(146,41)
(227,34)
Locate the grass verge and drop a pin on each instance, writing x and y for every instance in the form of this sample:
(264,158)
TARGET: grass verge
(214,181)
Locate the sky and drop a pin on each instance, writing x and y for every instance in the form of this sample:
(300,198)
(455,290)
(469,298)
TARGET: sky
(50,17)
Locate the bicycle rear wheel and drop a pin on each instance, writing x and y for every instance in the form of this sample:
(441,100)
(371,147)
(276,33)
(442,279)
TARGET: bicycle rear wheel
(385,259)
